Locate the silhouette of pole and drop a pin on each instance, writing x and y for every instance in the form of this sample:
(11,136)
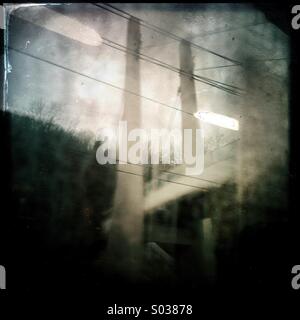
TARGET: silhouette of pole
(125,240)
(188,94)
(189,104)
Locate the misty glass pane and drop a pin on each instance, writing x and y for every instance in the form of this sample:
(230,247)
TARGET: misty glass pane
(73,70)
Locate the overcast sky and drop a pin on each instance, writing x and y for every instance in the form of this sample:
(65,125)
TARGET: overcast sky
(71,36)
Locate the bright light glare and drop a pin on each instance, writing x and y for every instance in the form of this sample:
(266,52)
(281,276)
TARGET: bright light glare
(218,120)
(60,23)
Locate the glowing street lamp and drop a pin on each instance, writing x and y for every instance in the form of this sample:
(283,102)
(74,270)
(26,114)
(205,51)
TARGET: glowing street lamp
(218,120)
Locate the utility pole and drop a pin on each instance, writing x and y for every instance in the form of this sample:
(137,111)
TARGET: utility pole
(201,246)
(187,87)
(188,98)
(125,240)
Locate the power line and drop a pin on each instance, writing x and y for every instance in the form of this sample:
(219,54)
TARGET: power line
(208,81)
(209,33)
(141,175)
(122,89)
(201,179)
(184,175)
(160,30)
(178,174)
(263,60)
(116,87)
(100,81)
(217,67)
(174,173)
(76,151)
(106,83)
(128,50)
(161,179)
(234,65)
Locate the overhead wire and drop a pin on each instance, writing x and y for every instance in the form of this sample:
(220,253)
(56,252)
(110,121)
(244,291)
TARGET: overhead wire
(220,85)
(152,27)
